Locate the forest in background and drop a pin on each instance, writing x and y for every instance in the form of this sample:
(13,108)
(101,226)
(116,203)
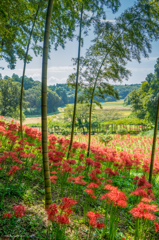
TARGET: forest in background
(58,95)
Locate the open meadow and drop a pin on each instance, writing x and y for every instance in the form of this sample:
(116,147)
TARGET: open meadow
(109,106)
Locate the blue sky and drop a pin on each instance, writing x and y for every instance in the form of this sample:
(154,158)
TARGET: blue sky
(60,64)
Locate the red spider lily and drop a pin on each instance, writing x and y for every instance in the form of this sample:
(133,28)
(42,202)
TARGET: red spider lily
(93,220)
(13,138)
(80,168)
(144,210)
(140,192)
(2,129)
(12,127)
(139,213)
(67,203)
(83,146)
(148,207)
(66,167)
(33,168)
(52,211)
(92,185)
(17,161)
(7,215)
(94,215)
(111,172)
(89,162)
(13,170)
(146,200)
(70,179)
(93,176)
(109,180)
(143,182)
(110,187)
(97,164)
(62,219)
(75,145)
(78,180)
(53,172)
(68,211)
(156,226)
(81,156)
(19,210)
(115,196)
(90,192)
(52,178)
(71,162)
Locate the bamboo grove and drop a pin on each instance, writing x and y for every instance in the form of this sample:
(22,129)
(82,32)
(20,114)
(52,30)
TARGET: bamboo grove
(27,24)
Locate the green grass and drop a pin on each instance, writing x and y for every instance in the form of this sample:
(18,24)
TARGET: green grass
(39,115)
(118,103)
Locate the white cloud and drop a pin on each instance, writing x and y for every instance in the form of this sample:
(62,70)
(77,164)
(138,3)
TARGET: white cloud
(140,69)
(50,69)
(53,80)
(108,20)
(149,59)
(60,69)
(35,75)
(146,60)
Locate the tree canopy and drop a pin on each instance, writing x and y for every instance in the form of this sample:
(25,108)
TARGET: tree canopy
(144,100)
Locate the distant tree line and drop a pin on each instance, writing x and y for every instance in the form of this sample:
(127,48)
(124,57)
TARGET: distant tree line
(58,95)
(123,91)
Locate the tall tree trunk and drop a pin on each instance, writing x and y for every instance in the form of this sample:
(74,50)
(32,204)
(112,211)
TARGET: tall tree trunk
(44,107)
(95,83)
(76,89)
(91,105)
(154,144)
(24,67)
(90,120)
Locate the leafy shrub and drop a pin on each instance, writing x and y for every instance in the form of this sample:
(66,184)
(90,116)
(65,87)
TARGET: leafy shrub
(65,132)
(105,138)
(122,131)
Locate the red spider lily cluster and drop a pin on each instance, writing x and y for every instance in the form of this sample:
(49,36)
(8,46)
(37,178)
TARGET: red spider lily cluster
(60,214)
(115,196)
(19,211)
(95,178)
(94,220)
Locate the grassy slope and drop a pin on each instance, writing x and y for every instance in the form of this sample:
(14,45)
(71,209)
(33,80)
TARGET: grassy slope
(118,105)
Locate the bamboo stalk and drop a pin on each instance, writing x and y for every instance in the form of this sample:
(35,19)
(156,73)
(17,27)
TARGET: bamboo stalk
(44,107)
(76,89)
(154,144)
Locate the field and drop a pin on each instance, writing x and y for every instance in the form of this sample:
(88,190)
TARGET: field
(106,196)
(118,106)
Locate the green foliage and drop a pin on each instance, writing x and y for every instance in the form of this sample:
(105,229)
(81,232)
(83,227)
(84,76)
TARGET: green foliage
(122,131)
(106,138)
(144,100)
(34,98)
(34,124)
(16,18)
(82,115)
(10,98)
(62,94)
(128,121)
(28,82)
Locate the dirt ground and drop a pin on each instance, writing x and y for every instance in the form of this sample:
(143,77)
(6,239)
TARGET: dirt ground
(32,120)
